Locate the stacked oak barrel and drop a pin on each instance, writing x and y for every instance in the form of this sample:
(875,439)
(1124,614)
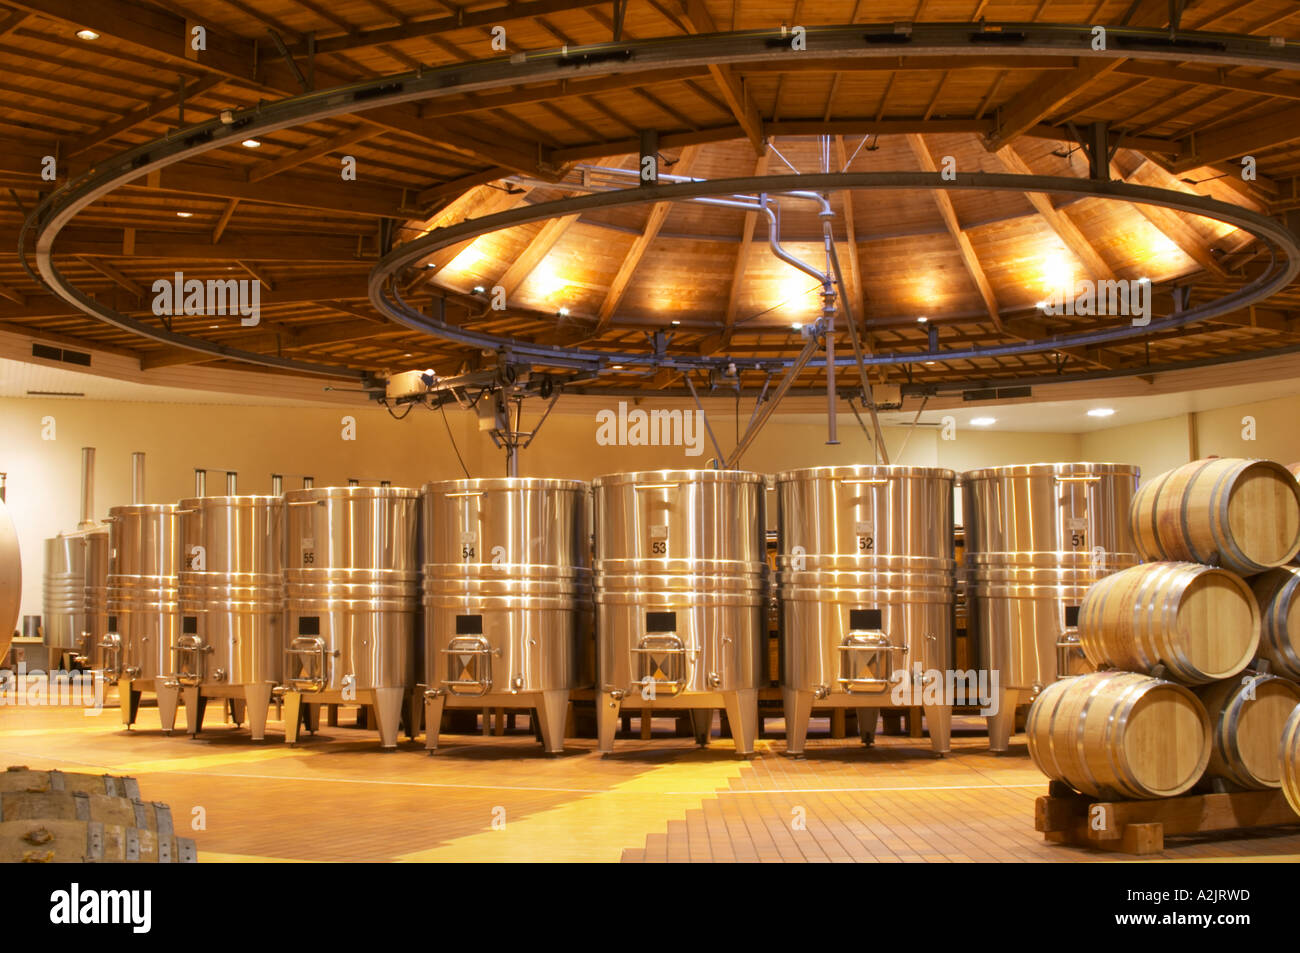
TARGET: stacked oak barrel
(53,817)
(1197,648)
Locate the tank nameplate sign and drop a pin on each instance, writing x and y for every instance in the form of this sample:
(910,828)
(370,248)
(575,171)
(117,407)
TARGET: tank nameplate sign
(308,552)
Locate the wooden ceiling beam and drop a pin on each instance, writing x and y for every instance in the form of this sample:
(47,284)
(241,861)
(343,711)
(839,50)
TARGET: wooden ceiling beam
(1060,223)
(658,213)
(284,338)
(296,190)
(1218,79)
(697,19)
(528,260)
(146,113)
(949,215)
(317,150)
(1246,137)
(564,89)
(224,220)
(108,271)
(1172,225)
(72,340)
(183,246)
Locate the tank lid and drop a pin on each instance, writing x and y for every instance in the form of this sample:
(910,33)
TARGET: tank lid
(215,502)
(352,493)
(1077,469)
(890,471)
(679,476)
(487,484)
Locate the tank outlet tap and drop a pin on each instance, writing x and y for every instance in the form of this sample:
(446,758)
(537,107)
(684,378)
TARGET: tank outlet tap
(617,694)
(714,680)
(219,675)
(517,682)
(821,691)
(435,693)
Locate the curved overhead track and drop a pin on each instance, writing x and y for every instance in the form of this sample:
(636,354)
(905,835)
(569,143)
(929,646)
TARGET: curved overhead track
(882,41)
(1283,266)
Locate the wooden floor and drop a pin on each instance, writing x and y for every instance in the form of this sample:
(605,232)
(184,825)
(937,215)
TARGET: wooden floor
(337,797)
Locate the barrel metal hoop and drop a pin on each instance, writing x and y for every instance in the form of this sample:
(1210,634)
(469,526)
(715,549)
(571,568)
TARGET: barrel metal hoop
(1226,544)
(1116,725)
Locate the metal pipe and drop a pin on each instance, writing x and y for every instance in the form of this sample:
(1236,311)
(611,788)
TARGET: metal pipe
(881,450)
(705,417)
(200,482)
(308,482)
(277,484)
(756,425)
(352,482)
(385,482)
(137,477)
(87,488)
(915,420)
(232,483)
(3,480)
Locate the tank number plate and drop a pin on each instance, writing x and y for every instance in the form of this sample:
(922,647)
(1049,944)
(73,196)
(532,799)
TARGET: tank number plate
(866,533)
(1078,532)
(468,540)
(309,552)
(659,540)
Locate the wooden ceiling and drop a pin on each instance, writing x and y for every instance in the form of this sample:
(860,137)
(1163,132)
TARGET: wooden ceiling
(972,264)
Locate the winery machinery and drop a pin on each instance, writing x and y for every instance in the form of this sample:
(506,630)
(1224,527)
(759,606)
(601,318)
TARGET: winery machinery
(351,576)
(866,583)
(142,599)
(507,599)
(680,589)
(230,644)
(11,573)
(1037,536)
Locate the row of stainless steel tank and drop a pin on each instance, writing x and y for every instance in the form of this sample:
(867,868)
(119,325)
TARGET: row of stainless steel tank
(315,595)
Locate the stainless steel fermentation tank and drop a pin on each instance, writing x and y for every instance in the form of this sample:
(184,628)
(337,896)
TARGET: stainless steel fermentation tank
(352,595)
(231,643)
(680,588)
(142,599)
(68,559)
(507,598)
(1037,536)
(866,583)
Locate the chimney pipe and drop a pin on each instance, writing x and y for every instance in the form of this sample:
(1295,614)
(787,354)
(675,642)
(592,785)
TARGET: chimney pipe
(352,482)
(385,482)
(277,484)
(3,478)
(308,482)
(200,482)
(232,483)
(137,477)
(87,488)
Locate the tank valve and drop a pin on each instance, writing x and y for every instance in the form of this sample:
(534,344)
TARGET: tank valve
(617,694)
(219,675)
(517,682)
(714,680)
(821,691)
(435,693)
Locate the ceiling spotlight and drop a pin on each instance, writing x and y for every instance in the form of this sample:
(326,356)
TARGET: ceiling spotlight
(564,312)
(251,143)
(212,327)
(479,289)
(184,214)
(408,354)
(431,266)
(87,35)
(676,321)
(616,367)
(1041,305)
(929,363)
(922,319)
(983,421)
(796,326)
(1146,281)
(1101,412)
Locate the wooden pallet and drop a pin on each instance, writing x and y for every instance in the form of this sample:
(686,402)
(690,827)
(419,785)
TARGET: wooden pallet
(1140,827)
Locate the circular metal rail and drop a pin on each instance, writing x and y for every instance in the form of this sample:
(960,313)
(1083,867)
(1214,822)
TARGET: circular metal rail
(866,41)
(1284,260)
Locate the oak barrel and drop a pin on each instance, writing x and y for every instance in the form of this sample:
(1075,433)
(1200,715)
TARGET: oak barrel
(1248,715)
(80,806)
(1291,760)
(1278,594)
(1241,514)
(1119,734)
(1200,622)
(19,778)
(48,841)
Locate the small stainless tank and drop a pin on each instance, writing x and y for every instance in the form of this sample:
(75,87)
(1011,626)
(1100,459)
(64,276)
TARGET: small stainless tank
(507,598)
(680,586)
(231,644)
(866,582)
(90,649)
(1037,536)
(142,603)
(351,576)
(63,611)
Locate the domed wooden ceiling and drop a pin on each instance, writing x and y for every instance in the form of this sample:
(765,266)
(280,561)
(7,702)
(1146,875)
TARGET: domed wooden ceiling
(972,264)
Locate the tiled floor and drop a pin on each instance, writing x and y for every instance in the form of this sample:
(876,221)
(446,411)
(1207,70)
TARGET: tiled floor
(338,797)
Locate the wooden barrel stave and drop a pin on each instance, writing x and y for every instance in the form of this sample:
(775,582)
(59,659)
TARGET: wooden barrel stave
(19,778)
(1122,734)
(1291,760)
(1278,594)
(1201,623)
(79,806)
(62,841)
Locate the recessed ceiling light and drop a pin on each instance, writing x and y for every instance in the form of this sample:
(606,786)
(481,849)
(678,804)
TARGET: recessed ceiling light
(430,266)
(407,354)
(796,326)
(184,214)
(213,326)
(1041,305)
(1101,412)
(87,35)
(616,367)
(564,312)
(676,322)
(479,289)
(929,363)
(922,319)
(983,421)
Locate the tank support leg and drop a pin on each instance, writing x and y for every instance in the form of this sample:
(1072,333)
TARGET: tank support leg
(798,709)
(166,695)
(867,725)
(312,713)
(237,709)
(550,719)
(195,707)
(938,719)
(413,711)
(292,716)
(388,713)
(702,725)
(1002,722)
(128,699)
(433,720)
(257,703)
(607,710)
(742,712)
